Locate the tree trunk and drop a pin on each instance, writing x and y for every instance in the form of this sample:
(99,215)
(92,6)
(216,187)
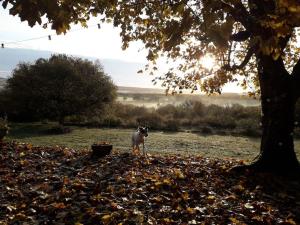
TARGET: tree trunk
(278,107)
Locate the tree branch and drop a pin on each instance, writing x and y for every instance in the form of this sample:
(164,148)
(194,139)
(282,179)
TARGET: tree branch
(239,13)
(248,56)
(240,36)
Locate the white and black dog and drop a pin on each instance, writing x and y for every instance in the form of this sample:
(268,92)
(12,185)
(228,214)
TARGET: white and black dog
(138,137)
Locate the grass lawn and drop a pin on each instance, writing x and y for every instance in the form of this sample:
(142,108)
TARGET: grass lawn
(158,142)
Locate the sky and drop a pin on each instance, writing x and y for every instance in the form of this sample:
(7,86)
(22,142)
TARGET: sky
(100,43)
(104,43)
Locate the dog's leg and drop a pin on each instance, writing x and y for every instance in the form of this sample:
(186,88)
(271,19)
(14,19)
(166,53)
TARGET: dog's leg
(144,149)
(138,149)
(132,146)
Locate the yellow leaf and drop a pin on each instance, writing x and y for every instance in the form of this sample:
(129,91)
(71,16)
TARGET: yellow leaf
(179,208)
(185,196)
(157,199)
(106,219)
(190,210)
(167,181)
(234,220)
(179,174)
(258,218)
(23,162)
(230,197)
(210,197)
(248,206)
(238,188)
(158,183)
(290,221)
(167,220)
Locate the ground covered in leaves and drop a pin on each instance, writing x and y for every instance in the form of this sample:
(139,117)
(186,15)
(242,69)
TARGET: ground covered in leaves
(40,185)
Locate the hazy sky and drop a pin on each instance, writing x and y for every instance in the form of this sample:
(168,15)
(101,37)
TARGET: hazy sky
(101,43)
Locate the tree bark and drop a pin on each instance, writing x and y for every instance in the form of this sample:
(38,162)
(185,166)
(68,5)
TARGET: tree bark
(278,107)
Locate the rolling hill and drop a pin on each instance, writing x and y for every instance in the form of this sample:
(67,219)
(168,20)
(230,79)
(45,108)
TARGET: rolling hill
(123,73)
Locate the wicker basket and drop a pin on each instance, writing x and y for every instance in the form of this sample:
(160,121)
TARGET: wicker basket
(101,150)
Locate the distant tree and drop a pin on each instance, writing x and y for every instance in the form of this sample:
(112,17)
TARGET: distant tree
(256,39)
(55,88)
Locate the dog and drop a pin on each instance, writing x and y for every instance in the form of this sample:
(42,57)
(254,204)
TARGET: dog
(138,137)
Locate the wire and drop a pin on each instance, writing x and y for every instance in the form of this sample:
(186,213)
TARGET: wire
(49,37)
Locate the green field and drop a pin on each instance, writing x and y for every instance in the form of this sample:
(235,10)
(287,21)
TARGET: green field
(157,142)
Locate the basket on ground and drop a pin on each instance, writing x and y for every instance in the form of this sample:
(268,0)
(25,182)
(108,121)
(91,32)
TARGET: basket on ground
(101,149)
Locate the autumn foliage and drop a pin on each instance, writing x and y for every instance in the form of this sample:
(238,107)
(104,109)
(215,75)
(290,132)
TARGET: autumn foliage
(42,185)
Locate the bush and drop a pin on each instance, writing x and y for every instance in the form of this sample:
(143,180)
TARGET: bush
(59,129)
(206,130)
(198,108)
(249,127)
(111,121)
(221,121)
(55,88)
(214,110)
(128,111)
(171,125)
(167,110)
(185,122)
(3,128)
(152,120)
(250,132)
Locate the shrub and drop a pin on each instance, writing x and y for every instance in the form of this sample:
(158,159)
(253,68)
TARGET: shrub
(214,110)
(59,129)
(198,108)
(223,121)
(167,110)
(251,132)
(111,121)
(55,88)
(128,111)
(249,127)
(152,120)
(185,122)
(3,128)
(171,125)
(206,130)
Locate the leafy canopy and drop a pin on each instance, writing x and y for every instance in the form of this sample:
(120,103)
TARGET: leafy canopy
(186,30)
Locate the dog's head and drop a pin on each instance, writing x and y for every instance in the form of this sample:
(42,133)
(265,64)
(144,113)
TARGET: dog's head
(143,131)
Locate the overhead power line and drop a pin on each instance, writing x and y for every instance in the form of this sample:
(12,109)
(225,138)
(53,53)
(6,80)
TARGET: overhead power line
(49,37)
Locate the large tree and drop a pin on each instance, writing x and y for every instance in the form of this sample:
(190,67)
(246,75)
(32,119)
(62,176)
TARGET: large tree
(55,88)
(253,41)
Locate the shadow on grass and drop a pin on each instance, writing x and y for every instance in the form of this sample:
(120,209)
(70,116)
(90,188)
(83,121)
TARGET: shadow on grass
(27,130)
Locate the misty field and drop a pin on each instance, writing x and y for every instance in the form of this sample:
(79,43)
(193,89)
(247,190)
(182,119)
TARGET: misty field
(155,100)
(157,142)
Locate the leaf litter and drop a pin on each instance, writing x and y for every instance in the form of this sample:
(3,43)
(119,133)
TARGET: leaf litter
(56,185)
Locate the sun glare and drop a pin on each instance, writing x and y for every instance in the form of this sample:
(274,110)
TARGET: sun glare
(208,62)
